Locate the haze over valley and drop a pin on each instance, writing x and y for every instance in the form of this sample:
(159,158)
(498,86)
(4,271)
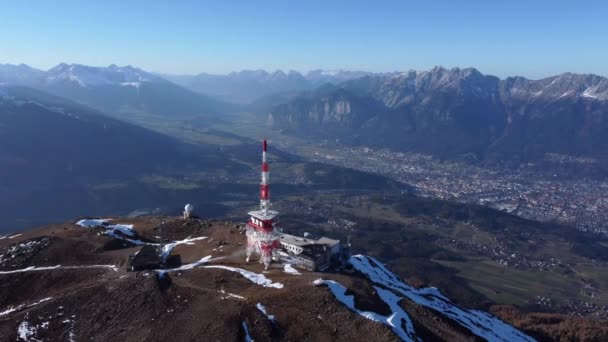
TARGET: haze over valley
(304,171)
(525,132)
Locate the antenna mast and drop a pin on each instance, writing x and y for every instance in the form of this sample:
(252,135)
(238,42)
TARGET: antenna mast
(264,186)
(261,231)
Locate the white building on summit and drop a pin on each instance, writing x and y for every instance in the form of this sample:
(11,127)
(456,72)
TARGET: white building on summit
(188,210)
(312,254)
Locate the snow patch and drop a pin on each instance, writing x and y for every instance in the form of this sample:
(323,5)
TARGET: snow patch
(478,322)
(56,267)
(230,295)
(136,242)
(318,282)
(21,306)
(72,324)
(14,236)
(92,223)
(289,269)
(191,265)
(259,279)
(111,229)
(399,318)
(168,248)
(588,93)
(127,229)
(31,269)
(262,309)
(131,84)
(27,331)
(247,335)
(396,321)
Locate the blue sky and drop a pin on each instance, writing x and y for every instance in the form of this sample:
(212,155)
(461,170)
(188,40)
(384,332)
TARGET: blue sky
(528,38)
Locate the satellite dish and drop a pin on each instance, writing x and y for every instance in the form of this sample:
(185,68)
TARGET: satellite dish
(189,208)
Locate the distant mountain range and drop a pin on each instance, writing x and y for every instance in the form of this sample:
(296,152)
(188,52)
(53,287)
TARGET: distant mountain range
(130,90)
(119,91)
(457,113)
(452,113)
(249,85)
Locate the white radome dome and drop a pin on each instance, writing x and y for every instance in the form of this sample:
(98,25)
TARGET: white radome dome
(189,208)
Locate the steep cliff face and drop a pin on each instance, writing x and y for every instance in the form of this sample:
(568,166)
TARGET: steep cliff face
(562,114)
(461,111)
(332,109)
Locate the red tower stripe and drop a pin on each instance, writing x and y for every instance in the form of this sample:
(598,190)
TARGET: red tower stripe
(265,146)
(264,192)
(265,167)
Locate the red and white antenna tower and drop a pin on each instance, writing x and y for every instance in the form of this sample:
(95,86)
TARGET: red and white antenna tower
(262,236)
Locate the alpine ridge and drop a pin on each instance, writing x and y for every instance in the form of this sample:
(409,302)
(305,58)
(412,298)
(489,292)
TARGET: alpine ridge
(457,113)
(123,92)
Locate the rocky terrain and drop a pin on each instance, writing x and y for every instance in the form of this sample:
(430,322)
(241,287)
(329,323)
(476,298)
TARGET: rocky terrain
(68,282)
(457,113)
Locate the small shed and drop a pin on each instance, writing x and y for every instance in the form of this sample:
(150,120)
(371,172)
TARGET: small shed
(145,259)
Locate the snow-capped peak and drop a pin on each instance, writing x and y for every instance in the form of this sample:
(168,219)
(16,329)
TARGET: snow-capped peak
(86,76)
(597,92)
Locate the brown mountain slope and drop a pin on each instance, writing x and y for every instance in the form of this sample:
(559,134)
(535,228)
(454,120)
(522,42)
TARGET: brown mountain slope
(66,282)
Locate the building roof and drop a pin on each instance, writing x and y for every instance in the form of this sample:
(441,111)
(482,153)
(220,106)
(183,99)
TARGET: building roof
(302,241)
(145,256)
(327,241)
(296,240)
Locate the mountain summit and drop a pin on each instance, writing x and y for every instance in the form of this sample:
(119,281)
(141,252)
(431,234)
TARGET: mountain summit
(84,290)
(119,91)
(249,85)
(457,112)
(94,76)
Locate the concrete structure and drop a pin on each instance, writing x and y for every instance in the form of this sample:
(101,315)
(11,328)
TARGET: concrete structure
(335,247)
(147,258)
(150,258)
(311,254)
(261,230)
